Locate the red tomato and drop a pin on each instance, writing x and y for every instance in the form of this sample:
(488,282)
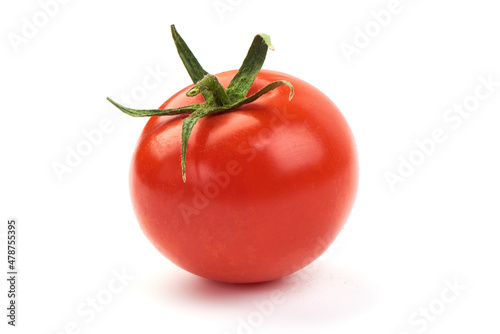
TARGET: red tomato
(269,185)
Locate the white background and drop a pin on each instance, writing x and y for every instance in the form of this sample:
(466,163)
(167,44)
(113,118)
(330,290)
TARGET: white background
(400,250)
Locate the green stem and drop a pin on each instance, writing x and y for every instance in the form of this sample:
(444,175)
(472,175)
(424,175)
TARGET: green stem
(243,80)
(211,84)
(187,126)
(193,67)
(156,112)
(217,98)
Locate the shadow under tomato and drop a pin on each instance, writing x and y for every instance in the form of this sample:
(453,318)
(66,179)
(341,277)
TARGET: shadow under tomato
(215,291)
(314,296)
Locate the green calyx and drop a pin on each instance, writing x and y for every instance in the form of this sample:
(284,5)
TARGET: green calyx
(217,98)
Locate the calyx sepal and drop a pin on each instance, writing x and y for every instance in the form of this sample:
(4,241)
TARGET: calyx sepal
(217,98)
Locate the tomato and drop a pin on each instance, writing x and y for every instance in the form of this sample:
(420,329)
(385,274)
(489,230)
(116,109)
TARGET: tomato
(269,185)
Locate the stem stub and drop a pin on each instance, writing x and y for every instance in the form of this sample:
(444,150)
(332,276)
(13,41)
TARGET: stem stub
(217,98)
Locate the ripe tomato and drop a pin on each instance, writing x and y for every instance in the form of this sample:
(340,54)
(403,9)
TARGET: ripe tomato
(269,185)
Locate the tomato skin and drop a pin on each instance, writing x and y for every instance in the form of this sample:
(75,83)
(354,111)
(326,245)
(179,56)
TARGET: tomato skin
(269,186)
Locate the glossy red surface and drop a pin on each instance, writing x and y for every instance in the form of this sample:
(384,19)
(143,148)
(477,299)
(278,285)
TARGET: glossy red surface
(269,186)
